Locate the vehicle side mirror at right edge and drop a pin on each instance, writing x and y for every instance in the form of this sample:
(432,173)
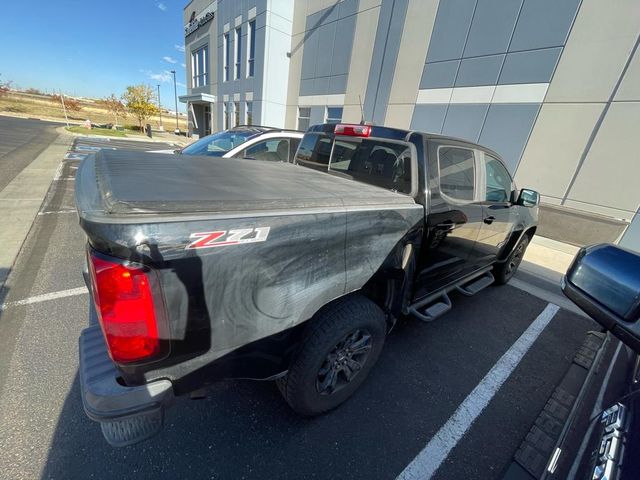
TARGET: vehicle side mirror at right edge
(528,198)
(604,281)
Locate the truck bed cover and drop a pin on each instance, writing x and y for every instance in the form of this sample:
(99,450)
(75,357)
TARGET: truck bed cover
(120,183)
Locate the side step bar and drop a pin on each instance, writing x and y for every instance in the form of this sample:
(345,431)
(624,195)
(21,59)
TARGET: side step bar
(477,284)
(439,307)
(431,307)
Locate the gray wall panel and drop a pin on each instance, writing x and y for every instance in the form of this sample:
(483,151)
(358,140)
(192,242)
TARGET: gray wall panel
(479,71)
(313,21)
(535,66)
(337,84)
(326,38)
(348,7)
(327,49)
(343,45)
(320,85)
(507,128)
(330,14)
(306,87)
(428,118)
(310,54)
(450,30)
(439,75)
(543,23)
(261,21)
(465,121)
(492,27)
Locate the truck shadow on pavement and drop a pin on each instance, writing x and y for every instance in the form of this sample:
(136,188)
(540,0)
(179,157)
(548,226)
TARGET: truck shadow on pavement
(4,290)
(245,430)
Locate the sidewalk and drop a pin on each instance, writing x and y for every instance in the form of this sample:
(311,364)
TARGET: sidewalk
(540,273)
(21,200)
(548,258)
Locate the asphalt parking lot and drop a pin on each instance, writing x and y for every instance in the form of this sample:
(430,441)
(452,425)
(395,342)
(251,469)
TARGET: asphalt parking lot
(244,429)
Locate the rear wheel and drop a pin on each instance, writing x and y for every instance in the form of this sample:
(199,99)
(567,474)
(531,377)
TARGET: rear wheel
(504,271)
(339,349)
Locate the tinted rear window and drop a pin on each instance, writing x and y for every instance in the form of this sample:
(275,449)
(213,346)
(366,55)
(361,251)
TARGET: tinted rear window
(314,151)
(368,160)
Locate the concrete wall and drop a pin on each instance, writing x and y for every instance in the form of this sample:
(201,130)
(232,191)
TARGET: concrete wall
(278,36)
(581,153)
(553,86)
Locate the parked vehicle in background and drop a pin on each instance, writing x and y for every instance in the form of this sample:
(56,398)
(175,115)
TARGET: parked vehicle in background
(253,142)
(202,269)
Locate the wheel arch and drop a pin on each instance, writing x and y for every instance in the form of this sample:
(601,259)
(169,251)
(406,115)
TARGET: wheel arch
(514,239)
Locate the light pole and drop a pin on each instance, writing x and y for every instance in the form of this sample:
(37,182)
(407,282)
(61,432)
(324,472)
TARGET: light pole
(175,93)
(160,108)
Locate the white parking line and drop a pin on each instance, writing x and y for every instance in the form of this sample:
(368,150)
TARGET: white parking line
(58,173)
(45,297)
(427,462)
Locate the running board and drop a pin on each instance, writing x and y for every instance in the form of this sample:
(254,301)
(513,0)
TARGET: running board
(438,307)
(477,284)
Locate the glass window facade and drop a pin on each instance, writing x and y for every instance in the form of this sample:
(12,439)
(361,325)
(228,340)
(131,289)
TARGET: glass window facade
(251,50)
(238,53)
(199,67)
(225,57)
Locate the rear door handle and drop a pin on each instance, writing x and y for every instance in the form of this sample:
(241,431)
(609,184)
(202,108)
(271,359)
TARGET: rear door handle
(489,220)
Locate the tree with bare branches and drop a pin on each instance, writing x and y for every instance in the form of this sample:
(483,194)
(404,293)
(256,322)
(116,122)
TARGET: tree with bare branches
(114,106)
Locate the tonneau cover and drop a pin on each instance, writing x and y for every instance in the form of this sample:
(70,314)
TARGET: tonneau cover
(130,182)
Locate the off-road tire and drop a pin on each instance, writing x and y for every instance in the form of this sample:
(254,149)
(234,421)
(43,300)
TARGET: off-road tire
(329,327)
(503,272)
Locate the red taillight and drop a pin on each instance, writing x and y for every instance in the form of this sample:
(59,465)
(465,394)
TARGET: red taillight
(352,130)
(129,315)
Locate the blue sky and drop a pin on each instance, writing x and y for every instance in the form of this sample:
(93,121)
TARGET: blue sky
(92,48)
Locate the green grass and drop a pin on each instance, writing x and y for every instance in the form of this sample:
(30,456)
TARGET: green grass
(97,131)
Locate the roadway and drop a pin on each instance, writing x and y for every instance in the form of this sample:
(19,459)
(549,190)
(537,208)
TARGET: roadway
(21,141)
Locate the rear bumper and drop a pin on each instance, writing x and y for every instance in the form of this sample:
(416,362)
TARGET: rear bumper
(127,414)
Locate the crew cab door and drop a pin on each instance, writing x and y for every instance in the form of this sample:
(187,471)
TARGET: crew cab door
(499,213)
(454,217)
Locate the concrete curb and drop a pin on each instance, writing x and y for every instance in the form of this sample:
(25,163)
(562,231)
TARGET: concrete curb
(21,200)
(63,130)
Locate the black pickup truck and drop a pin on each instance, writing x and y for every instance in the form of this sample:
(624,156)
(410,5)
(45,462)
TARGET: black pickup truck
(204,269)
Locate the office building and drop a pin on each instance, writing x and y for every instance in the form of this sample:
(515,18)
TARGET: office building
(553,86)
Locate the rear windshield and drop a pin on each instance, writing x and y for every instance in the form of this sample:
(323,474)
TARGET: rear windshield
(369,160)
(218,144)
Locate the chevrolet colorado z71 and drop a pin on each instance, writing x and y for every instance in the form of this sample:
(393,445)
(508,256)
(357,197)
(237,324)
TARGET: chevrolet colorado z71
(203,269)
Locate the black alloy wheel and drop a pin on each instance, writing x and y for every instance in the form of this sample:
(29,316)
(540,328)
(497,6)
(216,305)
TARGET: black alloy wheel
(344,362)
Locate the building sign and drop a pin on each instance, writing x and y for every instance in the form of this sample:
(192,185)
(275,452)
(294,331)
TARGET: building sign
(195,22)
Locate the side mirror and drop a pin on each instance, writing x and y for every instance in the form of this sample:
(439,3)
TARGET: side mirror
(604,281)
(528,198)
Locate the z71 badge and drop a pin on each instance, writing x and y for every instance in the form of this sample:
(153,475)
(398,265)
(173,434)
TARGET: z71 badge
(223,238)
